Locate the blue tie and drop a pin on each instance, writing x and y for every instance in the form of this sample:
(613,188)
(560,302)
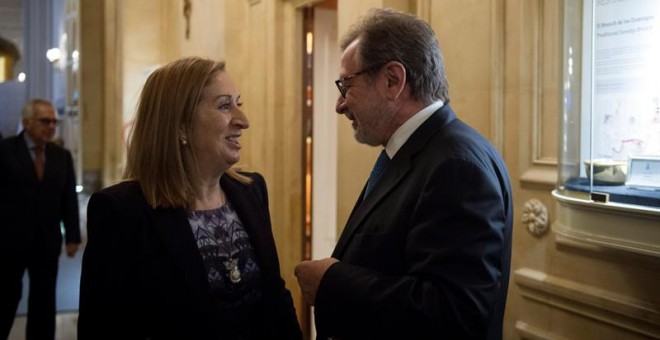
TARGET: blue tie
(381,164)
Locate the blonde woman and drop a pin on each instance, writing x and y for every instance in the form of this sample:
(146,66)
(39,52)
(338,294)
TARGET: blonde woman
(183,248)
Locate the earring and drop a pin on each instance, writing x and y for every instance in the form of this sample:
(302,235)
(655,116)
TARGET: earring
(183,140)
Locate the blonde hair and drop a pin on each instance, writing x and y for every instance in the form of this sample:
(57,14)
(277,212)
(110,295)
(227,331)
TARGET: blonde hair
(165,109)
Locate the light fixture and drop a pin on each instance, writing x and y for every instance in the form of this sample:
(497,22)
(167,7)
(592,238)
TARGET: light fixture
(75,56)
(53,54)
(21,77)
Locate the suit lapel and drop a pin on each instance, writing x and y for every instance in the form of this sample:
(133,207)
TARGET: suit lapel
(244,202)
(174,228)
(53,161)
(23,156)
(400,167)
(247,208)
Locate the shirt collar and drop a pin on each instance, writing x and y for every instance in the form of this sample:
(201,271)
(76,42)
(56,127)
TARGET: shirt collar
(28,141)
(404,131)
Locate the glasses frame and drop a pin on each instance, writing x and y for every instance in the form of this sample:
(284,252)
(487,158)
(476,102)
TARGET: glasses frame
(343,89)
(48,121)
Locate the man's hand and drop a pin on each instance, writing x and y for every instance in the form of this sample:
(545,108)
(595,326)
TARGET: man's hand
(71,249)
(309,274)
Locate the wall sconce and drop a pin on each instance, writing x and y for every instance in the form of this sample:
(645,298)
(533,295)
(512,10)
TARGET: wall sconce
(53,54)
(75,57)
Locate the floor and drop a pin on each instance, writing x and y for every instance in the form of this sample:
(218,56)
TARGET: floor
(66,321)
(65,327)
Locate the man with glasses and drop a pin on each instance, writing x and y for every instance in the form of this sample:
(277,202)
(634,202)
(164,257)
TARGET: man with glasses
(427,248)
(37,193)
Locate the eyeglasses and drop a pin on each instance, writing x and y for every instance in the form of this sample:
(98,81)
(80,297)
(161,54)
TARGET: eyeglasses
(340,82)
(48,121)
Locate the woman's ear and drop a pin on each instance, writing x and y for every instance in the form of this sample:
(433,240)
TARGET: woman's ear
(395,75)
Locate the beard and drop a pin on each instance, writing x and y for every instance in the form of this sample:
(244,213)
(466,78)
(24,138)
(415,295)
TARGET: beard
(373,124)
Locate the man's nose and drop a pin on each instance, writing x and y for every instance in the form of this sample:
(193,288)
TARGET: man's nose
(340,105)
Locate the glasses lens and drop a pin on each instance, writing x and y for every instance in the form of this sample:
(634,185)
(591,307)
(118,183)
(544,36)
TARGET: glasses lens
(48,121)
(341,88)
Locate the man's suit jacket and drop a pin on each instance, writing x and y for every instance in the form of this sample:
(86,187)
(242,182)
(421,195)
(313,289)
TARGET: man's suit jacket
(32,209)
(143,274)
(427,253)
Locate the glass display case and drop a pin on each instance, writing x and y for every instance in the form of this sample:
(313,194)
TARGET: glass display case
(608,188)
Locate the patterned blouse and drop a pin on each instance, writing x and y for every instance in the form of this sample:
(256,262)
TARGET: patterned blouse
(231,266)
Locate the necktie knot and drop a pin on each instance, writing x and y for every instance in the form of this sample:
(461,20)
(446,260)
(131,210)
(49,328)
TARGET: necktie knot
(381,164)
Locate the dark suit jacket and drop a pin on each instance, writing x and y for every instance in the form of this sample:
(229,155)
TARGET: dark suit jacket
(143,274)
(427,254)
(32,210)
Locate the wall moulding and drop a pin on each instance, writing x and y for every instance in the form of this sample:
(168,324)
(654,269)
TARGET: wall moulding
(527,331)
(497,73)
(616,226)
(618,310)
(296,3)
(581,248)
(544,176)
(541,105)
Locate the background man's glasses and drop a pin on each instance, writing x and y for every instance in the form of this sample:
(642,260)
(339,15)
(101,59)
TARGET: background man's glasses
(48,121)
(340,82)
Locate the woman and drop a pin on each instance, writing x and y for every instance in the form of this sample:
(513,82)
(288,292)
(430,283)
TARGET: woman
(183,248)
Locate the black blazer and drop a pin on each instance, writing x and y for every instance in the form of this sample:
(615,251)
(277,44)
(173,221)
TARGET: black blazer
(31,209)
(143,275)
(427,254)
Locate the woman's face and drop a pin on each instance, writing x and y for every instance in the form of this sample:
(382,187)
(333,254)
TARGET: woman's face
(218,123)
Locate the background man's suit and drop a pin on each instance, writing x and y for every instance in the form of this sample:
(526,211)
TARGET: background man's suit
(428,250)
(31,211)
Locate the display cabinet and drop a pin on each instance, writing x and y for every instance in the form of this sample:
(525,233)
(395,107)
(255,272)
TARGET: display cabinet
(608,189)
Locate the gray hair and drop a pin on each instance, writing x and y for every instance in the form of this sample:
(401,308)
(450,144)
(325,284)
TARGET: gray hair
(386,35)
(28,109)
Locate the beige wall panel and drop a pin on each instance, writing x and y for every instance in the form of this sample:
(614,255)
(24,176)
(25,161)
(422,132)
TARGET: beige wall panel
(400,5)
(236,37)
(172,26)
(289,228)
(142,52)
(521,51)
(550,69)
(101,97)
(206,33)
(541,62)
(574,304)
(285,120)
(348,11)
(540,66)
(255,91)
(263,47)
(114,97)
(592,274)
(464,32)
(206,30)
(92,83)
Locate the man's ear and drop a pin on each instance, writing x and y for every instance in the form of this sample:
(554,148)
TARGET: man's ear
(395,75)
(26,122)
